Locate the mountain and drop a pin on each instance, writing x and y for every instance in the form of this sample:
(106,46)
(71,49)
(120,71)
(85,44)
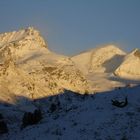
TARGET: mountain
(102,59)
(26,35)
(54,87)
(130,68)
(21,43)
(28,68)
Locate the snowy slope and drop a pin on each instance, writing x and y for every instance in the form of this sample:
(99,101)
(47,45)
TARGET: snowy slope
(103,59)
(80,117)
(130,68)
(37,72)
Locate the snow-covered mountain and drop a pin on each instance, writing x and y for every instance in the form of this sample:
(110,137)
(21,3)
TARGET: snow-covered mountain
(21,43)
(26,35)
(33,77)
(28,68)
(103,59)
(130,68)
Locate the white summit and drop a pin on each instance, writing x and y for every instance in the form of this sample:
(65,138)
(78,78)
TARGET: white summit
(101,59)
(130,68)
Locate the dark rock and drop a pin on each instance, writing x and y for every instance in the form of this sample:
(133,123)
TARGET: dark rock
(120,104)
(3,125)
(1,116)
(53,107)
(37,115)
(31,118)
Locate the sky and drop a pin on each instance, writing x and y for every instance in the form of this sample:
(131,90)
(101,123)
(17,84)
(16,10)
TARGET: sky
(73,26)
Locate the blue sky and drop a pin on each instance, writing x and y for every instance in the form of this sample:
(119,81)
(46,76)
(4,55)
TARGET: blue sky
(72,26)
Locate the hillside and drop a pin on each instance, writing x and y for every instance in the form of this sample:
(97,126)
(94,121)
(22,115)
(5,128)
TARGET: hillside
(99,64)
(79,117)
(103,59)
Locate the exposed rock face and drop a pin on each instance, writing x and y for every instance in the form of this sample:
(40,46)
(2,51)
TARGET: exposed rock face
(28,68)
(130,68)
(104,59)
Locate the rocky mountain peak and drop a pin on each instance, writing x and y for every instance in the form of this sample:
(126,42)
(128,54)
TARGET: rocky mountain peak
(21,42)
(29,34)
